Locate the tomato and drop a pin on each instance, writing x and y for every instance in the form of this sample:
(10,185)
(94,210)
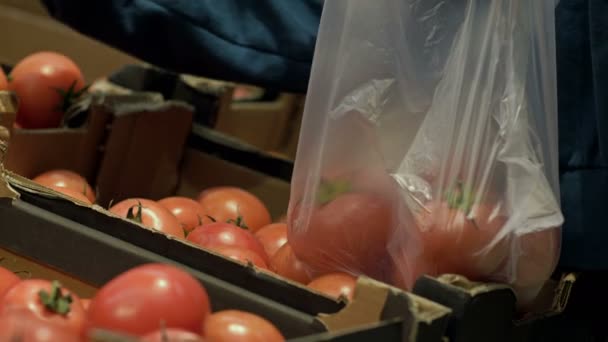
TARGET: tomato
(537,255)
(172,335)
(46,301)
(459,240)
(407,267)
(7,280)
(272,237)
(218,234)
(228,203)
(348,234)
(20,325)
(66,179)
(46,83)
(138,301)
(242,255)
(71,193)
(86,302)
(187,211)
(3,80)
(235,326)
(286,264)
(150,214)
(335,285)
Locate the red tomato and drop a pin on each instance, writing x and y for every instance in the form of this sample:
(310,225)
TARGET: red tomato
(537,255)
(286,264)
(86,302)
(137,301)
(242,255)
(7,280)
(347,234)
(228,203)
(218,234)
(172,335)
(407,267)
(335,285)
(458,242)
(46,84)
(235,326)
(3,80)
(150,214)
(23,326)
(59,306)
(272,237)
(71,193)
(66,179)
(187,211)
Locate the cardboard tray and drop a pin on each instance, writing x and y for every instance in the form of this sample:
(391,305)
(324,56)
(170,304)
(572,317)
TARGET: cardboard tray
(51,233)
(487,312)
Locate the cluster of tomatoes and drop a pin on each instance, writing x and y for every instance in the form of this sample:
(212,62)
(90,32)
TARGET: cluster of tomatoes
(229,221)
(47,84)
(150,303)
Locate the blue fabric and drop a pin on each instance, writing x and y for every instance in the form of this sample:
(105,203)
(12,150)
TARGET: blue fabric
(268,43)
(271,43)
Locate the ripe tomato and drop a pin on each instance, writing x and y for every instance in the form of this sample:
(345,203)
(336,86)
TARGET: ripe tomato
(286,264)
(172,335)
(137,301)
(218,234)
(86,302)
(235,326)
(242,255)
(66,179)
(21,325)
(408,267)
(347,234)
(187,211)
(272,237)
(335,285)
(150,214)
(537,255)
(228,203)
(7,280)
(46,83)
(3,80)
(458,240)
(71,193)
(46,301)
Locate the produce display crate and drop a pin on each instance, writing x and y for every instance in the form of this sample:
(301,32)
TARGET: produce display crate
(76,242)
(125,150)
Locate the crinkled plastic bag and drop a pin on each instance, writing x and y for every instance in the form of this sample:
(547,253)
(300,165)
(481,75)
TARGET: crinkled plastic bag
(429,143)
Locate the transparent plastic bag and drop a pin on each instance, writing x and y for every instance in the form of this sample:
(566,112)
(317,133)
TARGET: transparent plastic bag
(429,143)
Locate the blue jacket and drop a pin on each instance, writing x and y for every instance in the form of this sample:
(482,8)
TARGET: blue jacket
(271,42)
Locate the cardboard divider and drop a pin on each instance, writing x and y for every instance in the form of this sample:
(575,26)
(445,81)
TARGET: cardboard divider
(143,150)
(487,312)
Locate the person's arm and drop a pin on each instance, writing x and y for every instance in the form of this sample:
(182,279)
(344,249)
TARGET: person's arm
(268,43)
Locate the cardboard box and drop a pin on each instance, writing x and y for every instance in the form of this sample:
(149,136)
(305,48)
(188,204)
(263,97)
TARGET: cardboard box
(87,246)
(81,245)
(486,312)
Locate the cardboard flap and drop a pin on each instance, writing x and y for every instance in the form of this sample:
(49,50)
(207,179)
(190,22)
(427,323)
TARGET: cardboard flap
(552,299)
(471,287)
(8,111)
(366,307)
(143,149)
(374,302)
